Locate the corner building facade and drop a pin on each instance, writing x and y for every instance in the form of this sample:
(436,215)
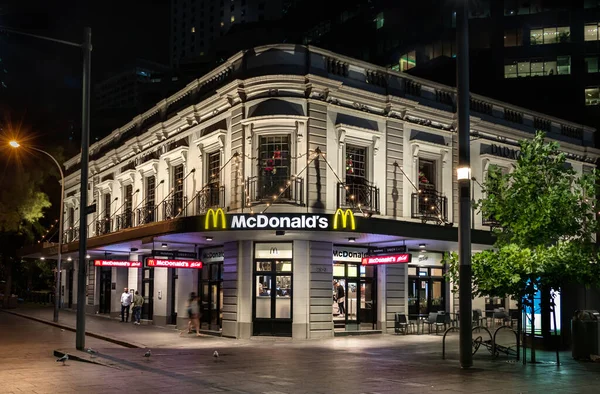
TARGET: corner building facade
(281,170)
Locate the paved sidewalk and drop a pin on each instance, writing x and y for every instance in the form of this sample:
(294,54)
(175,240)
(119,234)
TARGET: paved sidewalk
(112,330)
(367,364)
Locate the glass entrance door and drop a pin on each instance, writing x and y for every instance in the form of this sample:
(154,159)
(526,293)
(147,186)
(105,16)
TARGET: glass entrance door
(272,297)
(147,293)
(105,287)
(354,297)
(426,293)
(211,295)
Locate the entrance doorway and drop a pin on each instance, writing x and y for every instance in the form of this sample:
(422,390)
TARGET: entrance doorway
(426,291)
(147,293)
(273,278)
(105,288)
(355,287)
(211,295)
(173,295)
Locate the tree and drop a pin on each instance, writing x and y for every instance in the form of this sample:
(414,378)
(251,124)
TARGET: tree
(21,207)
(546,215)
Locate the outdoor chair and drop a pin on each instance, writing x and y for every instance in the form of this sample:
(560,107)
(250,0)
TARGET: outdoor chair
(500,317)
(431,320)
(402,325)
(441,319)
(478,318)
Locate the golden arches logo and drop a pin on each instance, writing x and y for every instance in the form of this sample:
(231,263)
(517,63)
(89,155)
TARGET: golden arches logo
(345,215)
(215,215)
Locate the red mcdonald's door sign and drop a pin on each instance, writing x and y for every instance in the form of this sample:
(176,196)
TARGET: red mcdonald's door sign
(174,263)
(391,259)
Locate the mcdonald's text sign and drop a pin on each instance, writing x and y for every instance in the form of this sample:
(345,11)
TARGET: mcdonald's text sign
(391,259)
(118,263)
(216,219)
(174,263)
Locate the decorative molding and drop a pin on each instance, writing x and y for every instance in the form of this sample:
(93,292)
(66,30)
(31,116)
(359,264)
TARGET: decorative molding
(341,137)
(376,143)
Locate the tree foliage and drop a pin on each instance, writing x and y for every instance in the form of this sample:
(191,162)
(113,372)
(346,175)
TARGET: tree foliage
(546,215)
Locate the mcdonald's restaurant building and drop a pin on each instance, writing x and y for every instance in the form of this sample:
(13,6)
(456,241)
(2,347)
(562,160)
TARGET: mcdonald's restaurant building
(299,192)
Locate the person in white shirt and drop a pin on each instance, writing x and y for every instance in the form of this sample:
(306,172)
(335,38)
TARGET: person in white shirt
(125,303)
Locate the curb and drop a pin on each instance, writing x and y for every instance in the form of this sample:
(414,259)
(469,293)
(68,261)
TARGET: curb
(88,333)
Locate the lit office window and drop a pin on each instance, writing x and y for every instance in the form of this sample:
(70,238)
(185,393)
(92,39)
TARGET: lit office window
(408,61)
(550,35)
(379,20)
(538,67)
(592,96)
(590,32)
(591,64)
(563,65)
(232,19)
(193,29)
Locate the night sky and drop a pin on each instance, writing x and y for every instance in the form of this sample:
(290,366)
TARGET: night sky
(43,79)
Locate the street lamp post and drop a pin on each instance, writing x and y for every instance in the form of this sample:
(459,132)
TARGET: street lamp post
(86,46)
(463,175)
(15,144)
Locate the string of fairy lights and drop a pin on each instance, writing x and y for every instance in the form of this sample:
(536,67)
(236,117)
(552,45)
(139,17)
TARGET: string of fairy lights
(47,235)
(432,207)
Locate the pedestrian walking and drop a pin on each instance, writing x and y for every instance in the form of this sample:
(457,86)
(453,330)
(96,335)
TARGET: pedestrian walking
(125,303)
(138,301)
(340,298)
(193,314)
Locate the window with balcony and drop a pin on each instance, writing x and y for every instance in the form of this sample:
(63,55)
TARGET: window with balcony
(212,193)
(146,213)
(273,167)
(357,192)
(103,223)
(550,35)
(428,203)
(590,31)
(538,67)
(513,38)
(592,96)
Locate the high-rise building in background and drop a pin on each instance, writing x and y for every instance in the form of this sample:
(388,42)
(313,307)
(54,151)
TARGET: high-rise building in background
(197,24)
(541,54)
(122,95)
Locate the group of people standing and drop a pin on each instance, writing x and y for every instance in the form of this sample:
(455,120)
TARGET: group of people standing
(127,300)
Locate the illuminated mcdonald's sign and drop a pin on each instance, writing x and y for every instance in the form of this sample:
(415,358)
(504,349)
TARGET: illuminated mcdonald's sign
(215,215)
(216,220)
(346,216)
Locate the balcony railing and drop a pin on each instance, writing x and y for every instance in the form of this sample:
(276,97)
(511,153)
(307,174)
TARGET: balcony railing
(358,196)
(103,226)
(70,235)
(124,220)
(173,207)
(146,214)
(264,188)
(429,205)
(211,196)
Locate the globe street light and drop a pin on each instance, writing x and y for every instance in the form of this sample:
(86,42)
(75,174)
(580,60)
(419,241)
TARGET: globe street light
(15,144)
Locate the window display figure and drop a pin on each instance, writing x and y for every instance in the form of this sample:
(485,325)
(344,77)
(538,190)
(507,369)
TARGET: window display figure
(339,297)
